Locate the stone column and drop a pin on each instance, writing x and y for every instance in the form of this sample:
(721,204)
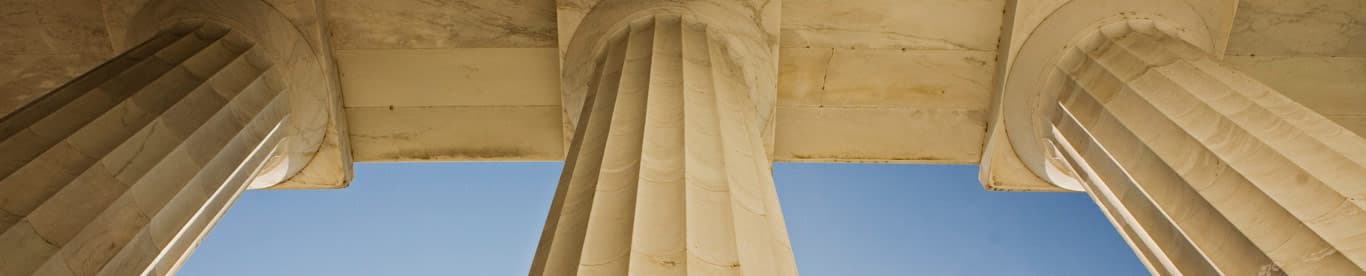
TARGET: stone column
(667,174)
(121,171)
(1204,170)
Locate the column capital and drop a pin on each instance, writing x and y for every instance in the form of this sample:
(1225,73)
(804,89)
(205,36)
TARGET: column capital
(1203,169)
(1033,36)
(747,30)
(315,153)
(1028,86)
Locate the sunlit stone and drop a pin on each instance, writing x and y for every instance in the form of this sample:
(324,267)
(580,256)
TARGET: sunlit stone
(1219,137)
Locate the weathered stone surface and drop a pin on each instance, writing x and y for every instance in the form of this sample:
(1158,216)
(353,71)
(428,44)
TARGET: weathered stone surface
(1332,86)
(668,174)
(45,43)
(1205,170)
(474,133)
(413,24)
(25,77)
(1299,28)
(121,170)
(1314,52)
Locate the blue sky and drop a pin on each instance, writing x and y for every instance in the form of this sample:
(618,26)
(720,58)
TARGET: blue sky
(485,219)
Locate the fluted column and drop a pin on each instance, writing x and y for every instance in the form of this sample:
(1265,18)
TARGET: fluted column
(667,174)
(121,171)
(1203,169)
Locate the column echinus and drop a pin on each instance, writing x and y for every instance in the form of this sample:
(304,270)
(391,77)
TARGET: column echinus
(1202,168)
(122,170)
(667,173)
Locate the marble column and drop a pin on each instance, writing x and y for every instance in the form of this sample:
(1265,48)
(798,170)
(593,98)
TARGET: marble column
(122,170)
(667,174)
(1203,169)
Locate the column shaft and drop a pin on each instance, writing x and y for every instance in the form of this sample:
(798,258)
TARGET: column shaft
(667,174)
(1203,169)
(122,170)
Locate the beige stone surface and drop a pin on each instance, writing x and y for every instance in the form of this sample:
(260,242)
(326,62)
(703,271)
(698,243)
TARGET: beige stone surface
(668,173)
(1036,29)
(407,65)
(45,44)
(898,68)
(822,90)
(109,174)
(315,154)
(414,24)
(470,103)
(1313,51)
(1299,28)
(1335,87)
(450,77)
(891,24)
(468,133)
(877,135)
(1004,171)
(877,57)
(53,27)
(49,42)
(1202,169)
(888,78)
(25,77)
(1208,169)
(750,27)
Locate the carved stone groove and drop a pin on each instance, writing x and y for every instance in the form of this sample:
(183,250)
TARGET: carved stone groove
(668,174)
(1203,169)
(123,170)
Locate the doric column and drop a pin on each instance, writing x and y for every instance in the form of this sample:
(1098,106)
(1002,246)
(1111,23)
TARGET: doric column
(122,170)
(1204,170)
(667,174)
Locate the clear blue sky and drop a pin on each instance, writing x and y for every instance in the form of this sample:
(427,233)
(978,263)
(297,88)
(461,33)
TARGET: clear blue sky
(485,219)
